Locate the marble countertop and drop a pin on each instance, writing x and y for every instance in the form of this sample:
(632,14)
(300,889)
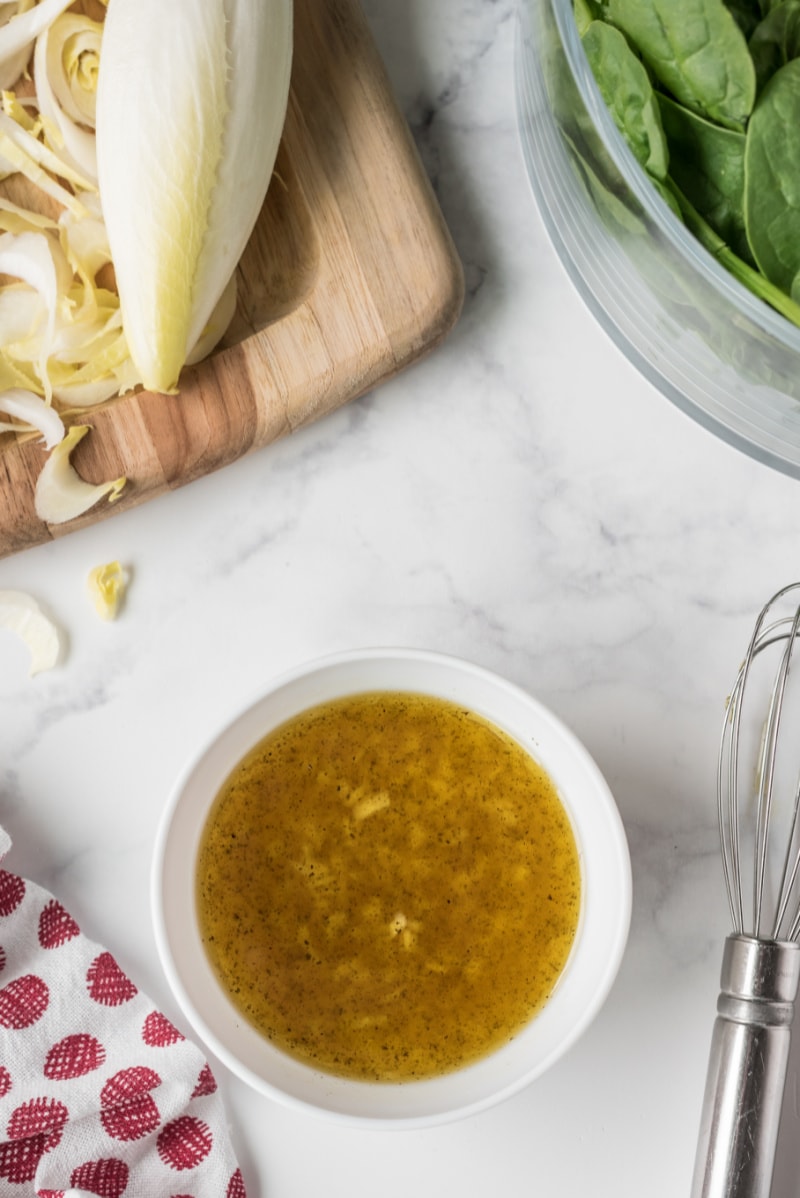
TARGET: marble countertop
(522,498)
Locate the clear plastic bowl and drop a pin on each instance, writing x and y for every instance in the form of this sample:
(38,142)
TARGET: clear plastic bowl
(720,354)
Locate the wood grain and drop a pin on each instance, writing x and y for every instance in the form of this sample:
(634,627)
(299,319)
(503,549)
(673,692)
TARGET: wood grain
(350,275)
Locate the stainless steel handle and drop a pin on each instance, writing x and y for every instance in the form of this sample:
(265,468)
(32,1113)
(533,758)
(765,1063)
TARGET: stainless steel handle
(746,1069)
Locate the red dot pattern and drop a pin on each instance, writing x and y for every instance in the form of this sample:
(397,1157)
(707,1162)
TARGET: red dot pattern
(23,1002)
(185,1142)
(19,1159)
(107,1177)
(158,1031)
(37,1116)
(81,1042)
(127,1110)
(33,1129)
(74,1056)
(236,1186)
(107,984)
(56,926)
(12,892)
(206,1083)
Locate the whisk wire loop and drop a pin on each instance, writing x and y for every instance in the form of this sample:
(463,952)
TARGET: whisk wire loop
(727,810)
(729,806)
(766,772)
(791,870)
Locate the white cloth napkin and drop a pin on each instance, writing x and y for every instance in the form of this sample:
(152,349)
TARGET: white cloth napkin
(99,1093)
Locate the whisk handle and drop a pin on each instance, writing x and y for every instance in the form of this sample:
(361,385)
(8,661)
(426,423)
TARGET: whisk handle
(746,1069)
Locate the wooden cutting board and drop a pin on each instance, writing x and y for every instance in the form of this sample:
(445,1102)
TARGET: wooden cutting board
(350,275)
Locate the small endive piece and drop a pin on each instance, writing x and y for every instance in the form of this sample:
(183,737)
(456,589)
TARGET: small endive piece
(107,586)
(191,103)
(21,614)
(61,494)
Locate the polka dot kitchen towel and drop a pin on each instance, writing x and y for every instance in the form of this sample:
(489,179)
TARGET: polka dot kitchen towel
(99,1093)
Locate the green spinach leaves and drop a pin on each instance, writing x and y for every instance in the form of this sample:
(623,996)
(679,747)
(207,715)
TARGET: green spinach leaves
(696,50)
(707,95)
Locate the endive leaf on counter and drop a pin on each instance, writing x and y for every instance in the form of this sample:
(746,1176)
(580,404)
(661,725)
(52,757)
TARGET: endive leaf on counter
(106,585)
(183,170)
(21,614)
(61,494)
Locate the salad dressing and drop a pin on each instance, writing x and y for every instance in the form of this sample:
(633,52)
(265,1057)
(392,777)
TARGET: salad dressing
(388,887)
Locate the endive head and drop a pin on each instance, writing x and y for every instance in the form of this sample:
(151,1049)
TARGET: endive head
(191,104)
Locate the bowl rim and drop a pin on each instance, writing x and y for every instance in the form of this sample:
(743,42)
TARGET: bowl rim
(364,1103)
(657,210)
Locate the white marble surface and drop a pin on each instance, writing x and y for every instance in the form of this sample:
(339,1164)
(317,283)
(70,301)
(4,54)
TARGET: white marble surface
(522,498)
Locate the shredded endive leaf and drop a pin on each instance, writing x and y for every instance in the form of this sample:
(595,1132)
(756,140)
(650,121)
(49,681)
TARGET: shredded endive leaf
(37,260)
(31,414)
(61,494)
(12,62)
(15,219)
(19,33)
(22,151)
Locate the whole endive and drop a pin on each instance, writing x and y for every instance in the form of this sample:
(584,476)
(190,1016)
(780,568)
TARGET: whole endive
(191,104)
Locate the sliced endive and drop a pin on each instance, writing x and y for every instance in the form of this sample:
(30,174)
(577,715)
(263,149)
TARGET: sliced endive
(30,411)
(21,151)
(15,219)
(183,170)
(39,261)
(66,62)
(17,35)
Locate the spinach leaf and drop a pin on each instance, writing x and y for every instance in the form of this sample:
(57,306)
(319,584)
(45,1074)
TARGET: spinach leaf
(707,163)
(628,94)
(696,50)
(775,41)
(614,210)
(772,180)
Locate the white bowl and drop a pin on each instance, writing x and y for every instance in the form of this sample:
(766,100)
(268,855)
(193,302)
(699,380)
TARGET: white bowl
(582,987)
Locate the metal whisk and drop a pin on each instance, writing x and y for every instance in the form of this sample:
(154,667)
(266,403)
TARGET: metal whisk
(761,961)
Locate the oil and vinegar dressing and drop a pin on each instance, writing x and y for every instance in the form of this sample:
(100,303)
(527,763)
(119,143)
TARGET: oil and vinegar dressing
(388,887)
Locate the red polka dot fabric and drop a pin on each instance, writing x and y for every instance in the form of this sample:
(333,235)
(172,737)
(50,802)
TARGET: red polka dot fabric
(100,1094)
